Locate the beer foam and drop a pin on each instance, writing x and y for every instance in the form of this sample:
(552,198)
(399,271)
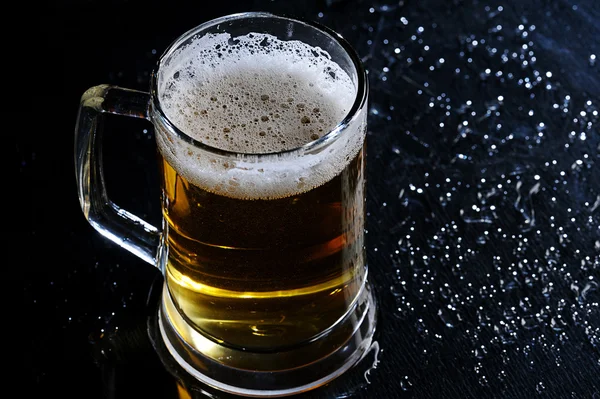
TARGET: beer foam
(255,94)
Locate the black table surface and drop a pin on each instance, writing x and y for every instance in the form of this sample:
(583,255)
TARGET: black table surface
(483,197)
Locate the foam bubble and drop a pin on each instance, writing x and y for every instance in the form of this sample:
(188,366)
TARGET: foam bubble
(255,94)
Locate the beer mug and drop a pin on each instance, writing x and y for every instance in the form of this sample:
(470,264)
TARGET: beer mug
(260,125)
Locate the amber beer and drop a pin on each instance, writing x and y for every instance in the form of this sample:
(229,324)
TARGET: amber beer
(265,273)
(267,255)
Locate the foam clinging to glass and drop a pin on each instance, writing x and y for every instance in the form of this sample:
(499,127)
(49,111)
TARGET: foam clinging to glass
(256,94)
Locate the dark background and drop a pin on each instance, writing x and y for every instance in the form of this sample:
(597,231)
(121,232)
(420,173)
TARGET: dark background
(483,196)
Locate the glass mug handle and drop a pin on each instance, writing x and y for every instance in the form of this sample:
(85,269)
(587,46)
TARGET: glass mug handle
(125,229)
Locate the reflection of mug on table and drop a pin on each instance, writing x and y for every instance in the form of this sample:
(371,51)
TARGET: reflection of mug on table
(260,124)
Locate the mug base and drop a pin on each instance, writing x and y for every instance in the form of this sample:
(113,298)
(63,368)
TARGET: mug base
(273,374)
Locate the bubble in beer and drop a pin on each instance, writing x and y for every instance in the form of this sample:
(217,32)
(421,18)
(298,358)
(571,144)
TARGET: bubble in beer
(213,73)
(239,96)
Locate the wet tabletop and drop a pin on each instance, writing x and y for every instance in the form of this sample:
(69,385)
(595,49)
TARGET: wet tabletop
(483,198)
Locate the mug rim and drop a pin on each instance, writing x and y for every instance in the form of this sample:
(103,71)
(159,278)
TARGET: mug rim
(307,148)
